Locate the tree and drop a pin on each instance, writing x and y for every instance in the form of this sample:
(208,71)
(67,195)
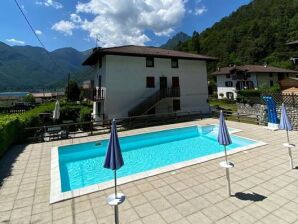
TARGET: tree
(29,98)
(73,91)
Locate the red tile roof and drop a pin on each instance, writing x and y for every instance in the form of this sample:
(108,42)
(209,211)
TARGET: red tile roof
(142,51)
(252,69)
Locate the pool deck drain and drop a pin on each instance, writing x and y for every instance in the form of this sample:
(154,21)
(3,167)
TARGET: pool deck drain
(265,189)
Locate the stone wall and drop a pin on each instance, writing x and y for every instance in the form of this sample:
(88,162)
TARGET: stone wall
(260,111)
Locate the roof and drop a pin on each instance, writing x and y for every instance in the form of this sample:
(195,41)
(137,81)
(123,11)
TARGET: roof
(142,51)
(293,43)
(292,90)
(252,69)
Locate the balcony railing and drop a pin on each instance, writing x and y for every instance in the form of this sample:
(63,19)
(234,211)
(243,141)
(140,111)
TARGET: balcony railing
(99,94)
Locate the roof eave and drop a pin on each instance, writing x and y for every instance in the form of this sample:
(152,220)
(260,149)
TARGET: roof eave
(91,60)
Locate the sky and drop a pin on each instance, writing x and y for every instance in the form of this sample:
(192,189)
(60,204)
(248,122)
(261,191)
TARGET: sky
(85,23)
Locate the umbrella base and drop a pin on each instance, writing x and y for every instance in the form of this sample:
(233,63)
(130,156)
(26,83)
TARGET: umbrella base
(288,145)
(226,165)
(114,201)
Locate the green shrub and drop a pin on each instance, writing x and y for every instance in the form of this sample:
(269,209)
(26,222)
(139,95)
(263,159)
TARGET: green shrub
(85,114)
(12,126)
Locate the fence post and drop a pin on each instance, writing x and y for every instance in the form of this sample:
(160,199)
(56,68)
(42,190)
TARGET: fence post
(91,126)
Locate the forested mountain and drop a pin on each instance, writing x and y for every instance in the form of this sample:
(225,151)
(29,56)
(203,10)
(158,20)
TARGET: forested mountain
(26,67)
(256,33)
(179,38)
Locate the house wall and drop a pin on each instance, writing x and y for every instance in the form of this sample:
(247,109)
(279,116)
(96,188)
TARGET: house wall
(125,80)
(263,79)
(221,85)
(259,79)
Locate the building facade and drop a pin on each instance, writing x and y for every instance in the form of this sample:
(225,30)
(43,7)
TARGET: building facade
(232,79)
(134,80)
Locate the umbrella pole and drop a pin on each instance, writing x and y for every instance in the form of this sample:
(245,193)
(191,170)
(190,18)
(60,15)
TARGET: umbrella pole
(227,174)
(226,157)
(116,206)
(290,152)
(115,182)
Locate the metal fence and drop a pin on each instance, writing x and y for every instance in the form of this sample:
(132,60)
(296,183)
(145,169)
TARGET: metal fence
(83,129)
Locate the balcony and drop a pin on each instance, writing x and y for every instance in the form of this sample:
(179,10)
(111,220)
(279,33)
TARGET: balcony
(99,94)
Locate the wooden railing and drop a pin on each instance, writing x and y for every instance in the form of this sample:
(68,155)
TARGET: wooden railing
(149,102)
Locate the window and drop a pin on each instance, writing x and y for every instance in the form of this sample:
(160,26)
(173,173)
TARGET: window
(271,83)
(150,82)
(176,105)
(150,62)
(229,84)
(174,62)
(228,76)
(230,95)
(270,75)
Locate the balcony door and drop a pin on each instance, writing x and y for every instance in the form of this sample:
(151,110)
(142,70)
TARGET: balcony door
(175,82)
(163,85)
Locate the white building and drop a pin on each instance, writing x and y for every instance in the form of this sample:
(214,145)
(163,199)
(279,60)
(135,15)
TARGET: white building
(135,80)
(231,79)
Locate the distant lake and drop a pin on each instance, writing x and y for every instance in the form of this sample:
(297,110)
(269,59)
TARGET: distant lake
(20,94)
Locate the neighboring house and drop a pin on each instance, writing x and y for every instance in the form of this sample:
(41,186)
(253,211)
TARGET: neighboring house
(87,89)
(231,79)
(136,80)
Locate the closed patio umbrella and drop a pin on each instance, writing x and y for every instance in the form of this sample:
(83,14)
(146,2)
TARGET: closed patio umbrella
(225,139)
(114,161)
(56,112)
(285,124)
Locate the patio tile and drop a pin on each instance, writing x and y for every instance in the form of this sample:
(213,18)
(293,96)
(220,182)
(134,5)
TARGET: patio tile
(144,210)
(243,217)
(44,217)
(186,208)
(5,216)
(155,218)
(160,204)
(199,217)
(21,212)
(66,220)
(85,217)
(6,206)
(272,219)
(170,215)
(214,213)
(285,215)
(23,202)
(62,212)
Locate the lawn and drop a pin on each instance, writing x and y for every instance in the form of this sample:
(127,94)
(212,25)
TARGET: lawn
(225,104)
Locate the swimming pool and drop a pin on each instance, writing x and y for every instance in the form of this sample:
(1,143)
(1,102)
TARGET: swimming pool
(81,165)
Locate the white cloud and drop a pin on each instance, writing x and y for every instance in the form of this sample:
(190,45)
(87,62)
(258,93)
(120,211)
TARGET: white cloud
(50,3)
(38,32)
(15,42)
(200,10)
(126,22)
(65,27)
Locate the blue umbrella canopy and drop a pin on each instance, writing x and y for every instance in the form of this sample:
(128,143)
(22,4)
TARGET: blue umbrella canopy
(114,158)
(223,133)
(285,123)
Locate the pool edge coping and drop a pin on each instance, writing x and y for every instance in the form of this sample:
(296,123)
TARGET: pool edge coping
(56,195)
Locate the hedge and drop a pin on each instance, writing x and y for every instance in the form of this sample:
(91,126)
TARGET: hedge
(12,126)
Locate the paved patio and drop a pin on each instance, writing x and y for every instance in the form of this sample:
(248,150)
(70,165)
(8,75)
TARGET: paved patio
(265,189)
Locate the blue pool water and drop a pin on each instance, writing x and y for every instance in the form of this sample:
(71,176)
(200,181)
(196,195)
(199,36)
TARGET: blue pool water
(81,165)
